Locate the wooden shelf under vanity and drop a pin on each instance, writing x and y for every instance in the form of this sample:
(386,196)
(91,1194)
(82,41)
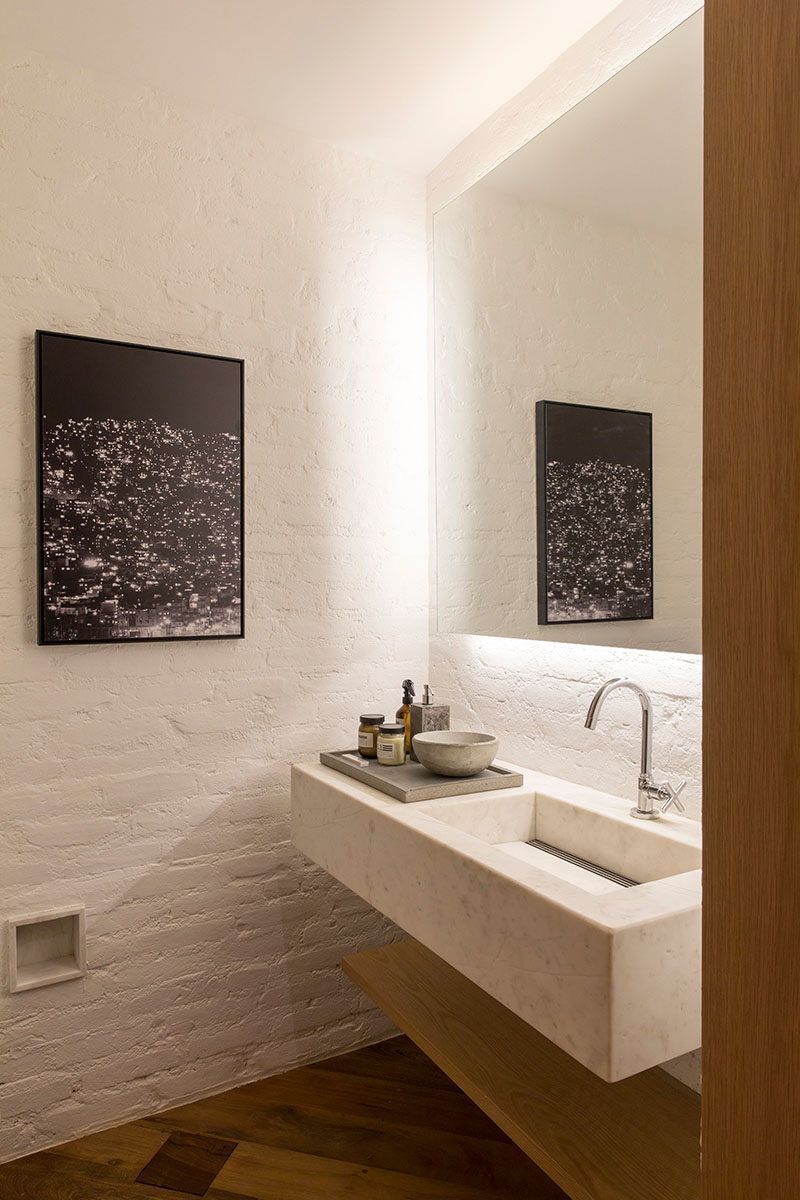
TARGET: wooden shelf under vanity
(638,1139)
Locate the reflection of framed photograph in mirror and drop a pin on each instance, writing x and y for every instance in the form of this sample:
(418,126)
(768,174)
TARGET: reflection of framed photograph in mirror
(594,500)
(571,271)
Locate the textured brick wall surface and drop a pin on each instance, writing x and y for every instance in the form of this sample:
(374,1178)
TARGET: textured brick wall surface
(536,303)
(151,782)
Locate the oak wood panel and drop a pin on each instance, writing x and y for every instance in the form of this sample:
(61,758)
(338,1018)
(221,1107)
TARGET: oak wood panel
(633,1140)
(751,624)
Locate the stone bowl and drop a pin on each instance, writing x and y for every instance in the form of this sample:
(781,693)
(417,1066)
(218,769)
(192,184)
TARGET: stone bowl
(449,753)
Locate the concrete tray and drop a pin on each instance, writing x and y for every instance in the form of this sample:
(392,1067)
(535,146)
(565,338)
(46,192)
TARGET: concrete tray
(412,781)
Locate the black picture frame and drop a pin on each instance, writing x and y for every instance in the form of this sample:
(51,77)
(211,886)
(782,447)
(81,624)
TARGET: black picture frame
(594,501)
(167,428)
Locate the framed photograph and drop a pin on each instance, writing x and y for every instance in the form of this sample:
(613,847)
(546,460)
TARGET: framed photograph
(594,501)
(141,492)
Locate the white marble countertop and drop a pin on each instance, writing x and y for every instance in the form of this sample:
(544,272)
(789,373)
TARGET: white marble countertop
(611,974)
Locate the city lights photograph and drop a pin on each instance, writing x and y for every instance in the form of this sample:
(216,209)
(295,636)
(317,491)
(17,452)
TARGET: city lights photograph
(140,492)
(594,513)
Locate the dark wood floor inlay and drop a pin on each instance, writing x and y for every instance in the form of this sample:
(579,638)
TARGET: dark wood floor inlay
(188,1163)
(380,1123)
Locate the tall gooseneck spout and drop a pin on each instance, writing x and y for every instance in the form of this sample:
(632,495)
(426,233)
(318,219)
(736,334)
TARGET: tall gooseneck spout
(649,792)
(613,685)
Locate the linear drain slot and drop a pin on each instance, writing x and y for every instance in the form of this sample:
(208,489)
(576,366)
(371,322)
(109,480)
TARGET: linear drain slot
(622,880)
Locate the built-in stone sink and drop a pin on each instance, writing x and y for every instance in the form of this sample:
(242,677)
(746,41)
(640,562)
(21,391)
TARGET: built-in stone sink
(608,968)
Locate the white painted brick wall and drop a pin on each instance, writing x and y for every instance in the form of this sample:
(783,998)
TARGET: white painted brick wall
(151,782)
(537,303)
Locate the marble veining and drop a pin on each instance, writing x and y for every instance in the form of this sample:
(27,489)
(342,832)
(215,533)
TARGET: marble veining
(610,974)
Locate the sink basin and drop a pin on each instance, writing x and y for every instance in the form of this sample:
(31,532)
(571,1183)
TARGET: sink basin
(591,933)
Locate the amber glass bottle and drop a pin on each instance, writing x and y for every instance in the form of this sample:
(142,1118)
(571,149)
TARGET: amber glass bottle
(404,711)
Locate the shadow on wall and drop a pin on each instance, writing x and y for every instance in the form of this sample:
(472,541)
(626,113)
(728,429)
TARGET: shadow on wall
(213,951)
(150,781)
(219,965)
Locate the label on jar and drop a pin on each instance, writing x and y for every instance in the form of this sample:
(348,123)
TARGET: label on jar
(366,740)
(391,751)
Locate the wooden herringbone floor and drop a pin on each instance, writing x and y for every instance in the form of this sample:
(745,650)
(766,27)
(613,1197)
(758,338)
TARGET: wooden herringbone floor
(377,1124)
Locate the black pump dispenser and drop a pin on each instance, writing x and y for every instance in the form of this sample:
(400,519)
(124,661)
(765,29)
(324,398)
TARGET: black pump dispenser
(404,711)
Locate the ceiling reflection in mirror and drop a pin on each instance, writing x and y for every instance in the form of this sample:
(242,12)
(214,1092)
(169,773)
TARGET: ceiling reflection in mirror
(572,274)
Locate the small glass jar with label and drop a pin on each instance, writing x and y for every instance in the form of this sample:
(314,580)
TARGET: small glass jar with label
(368,734)
(392,745)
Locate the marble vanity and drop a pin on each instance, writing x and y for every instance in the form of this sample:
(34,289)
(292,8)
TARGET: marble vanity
(609,973)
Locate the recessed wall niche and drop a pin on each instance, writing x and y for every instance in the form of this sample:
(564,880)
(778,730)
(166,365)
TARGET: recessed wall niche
(46,948)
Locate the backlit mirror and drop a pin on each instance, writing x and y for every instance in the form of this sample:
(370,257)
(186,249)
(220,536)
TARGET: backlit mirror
(568,294)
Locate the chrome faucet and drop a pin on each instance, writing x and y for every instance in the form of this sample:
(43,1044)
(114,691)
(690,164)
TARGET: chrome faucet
(649,792)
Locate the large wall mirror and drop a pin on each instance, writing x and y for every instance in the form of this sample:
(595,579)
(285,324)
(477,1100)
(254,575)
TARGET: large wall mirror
(572,274)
